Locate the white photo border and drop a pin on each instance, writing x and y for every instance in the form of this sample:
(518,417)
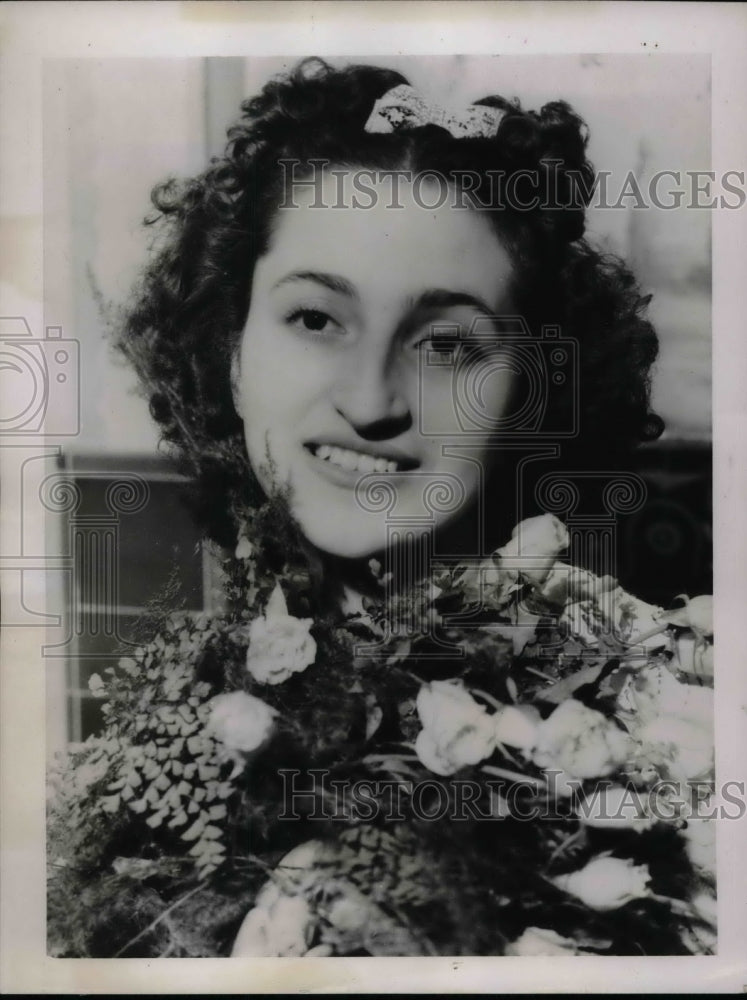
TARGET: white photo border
(33,32)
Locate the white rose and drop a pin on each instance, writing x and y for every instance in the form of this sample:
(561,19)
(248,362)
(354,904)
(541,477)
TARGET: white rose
(456,730)
(517,727)
(694,656)
(534,545)
(430,756)
(281,923)
(614,807)
(654,691)
(349,911)
(279,926)
(671,721)
(569,584)
(279,644)
(96,686)
(638,623)
(705,906)
(244,549)
(582,621)
(697,615)
(684,649)
(519,633)
(703,660)
(240,721)
(536,941)
(684,745)
(580,741)
(556,587)
(700,844)
(606,883)
(488,584)
(699,939)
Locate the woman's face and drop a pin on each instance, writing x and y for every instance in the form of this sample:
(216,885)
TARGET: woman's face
(342,380)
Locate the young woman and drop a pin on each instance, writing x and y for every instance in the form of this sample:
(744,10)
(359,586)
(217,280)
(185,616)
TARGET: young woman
(427,229)
(358,323)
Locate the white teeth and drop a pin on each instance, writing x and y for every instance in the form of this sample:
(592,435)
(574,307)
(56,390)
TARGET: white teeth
(354,461)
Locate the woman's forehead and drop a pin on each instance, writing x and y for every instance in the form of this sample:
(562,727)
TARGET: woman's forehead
(351,225)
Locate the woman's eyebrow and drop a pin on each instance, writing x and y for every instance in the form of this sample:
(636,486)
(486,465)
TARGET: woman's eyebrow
(442,298)
(333,282)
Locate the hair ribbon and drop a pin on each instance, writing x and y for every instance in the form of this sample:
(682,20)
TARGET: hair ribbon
(403,107)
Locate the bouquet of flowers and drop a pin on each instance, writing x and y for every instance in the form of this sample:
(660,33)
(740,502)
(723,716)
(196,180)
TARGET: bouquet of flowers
(506,758)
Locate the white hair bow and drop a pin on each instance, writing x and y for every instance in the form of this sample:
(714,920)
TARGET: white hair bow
(403,107)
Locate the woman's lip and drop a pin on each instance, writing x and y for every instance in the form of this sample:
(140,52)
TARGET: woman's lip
(405,463)
(340,476)
(335,473)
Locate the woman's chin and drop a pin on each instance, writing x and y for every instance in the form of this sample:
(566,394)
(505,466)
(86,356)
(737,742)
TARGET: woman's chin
(340,546)
(363,538)
(337,530)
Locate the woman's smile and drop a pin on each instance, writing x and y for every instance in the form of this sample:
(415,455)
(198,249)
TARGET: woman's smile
(352,326)
(358,458)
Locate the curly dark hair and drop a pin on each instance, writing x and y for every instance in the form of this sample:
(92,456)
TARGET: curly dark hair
(192,303)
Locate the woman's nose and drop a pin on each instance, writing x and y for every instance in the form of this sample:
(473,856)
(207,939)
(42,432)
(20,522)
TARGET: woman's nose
(367,393)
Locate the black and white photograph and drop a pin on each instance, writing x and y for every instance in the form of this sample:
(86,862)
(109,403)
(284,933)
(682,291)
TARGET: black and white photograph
(361,442)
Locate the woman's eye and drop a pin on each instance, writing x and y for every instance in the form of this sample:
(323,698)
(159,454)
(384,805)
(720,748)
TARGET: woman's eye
(313,321)
(438,349)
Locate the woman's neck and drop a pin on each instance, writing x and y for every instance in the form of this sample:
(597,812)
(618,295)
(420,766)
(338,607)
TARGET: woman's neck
(396,569)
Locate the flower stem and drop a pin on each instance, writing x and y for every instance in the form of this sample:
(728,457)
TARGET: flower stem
(501,772)
(677,905)
(647,635)
(545,678)
(563,846)
(488,698)
(380,758)
(159,918)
